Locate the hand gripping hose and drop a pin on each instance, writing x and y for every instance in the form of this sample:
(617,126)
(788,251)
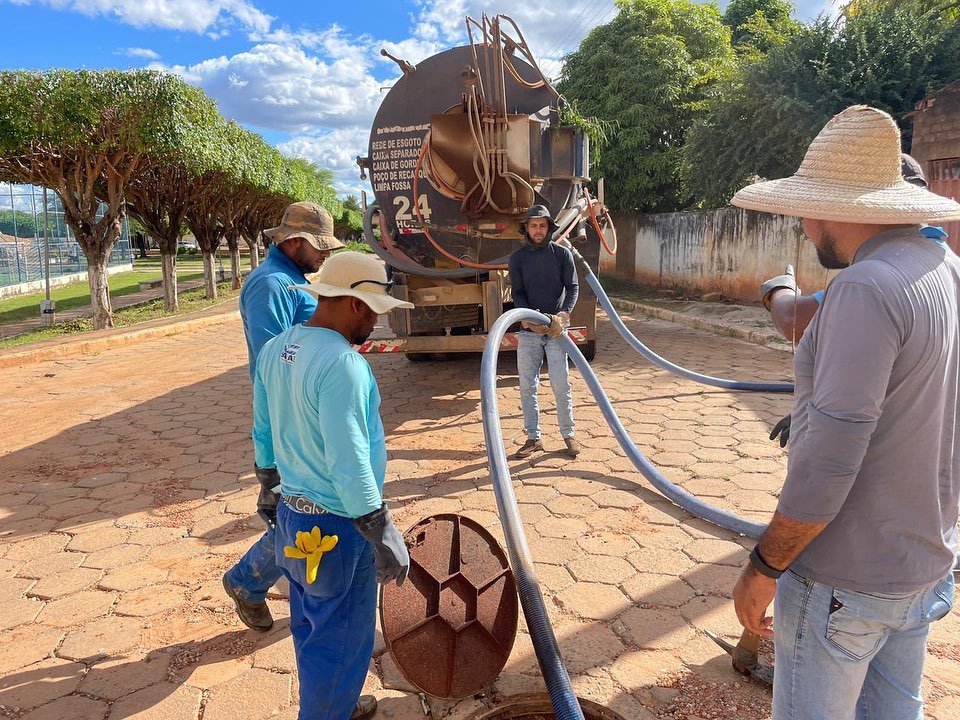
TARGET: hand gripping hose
(544,641)
(659,361)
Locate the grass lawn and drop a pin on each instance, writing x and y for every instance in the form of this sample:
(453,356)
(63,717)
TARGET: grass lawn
(190,301)
(25,307)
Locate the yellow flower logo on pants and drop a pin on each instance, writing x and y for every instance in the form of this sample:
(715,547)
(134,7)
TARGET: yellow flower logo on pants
(310,547)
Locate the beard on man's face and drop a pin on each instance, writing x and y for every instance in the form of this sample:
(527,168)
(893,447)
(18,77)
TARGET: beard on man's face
(827,253)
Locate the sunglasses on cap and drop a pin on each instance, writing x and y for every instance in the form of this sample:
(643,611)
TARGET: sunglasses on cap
(388,284)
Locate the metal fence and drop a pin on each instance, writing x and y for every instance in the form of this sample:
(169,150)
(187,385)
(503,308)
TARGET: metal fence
(22,243)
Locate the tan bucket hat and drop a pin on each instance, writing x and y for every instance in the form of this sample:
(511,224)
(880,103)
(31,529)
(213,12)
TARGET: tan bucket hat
(359,275)
(309,221)
(851,173)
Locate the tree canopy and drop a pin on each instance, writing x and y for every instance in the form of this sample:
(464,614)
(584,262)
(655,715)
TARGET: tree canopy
(888,55)
(149,142)
(648,72)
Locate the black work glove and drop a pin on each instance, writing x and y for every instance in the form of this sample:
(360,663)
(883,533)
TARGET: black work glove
(782,428)
(788,280)
(269,495)
(393,560)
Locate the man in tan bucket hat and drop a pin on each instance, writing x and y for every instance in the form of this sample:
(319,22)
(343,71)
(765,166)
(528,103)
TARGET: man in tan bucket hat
(316,412)
(268,306)
(858,555)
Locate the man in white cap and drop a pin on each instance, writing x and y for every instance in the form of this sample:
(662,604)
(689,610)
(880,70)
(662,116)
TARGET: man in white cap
(860,549)
(317,422)
(268,306)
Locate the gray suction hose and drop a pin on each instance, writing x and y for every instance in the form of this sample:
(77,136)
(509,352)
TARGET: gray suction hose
(555,675)
(659,361)
(544,641)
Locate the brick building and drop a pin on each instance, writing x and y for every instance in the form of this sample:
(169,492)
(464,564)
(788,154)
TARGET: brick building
(936,144)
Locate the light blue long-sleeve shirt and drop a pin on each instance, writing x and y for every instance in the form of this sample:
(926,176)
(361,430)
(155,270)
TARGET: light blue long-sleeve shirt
(316,417)
(267,304)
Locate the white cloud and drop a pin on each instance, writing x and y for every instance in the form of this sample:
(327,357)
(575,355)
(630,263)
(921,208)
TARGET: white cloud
(281,87)
(189,15)
(135,52)
(336,151)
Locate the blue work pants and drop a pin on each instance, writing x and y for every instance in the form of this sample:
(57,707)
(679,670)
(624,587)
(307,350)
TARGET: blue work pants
(332,619)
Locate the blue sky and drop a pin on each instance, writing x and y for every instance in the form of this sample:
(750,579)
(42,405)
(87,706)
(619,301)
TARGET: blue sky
(305,75)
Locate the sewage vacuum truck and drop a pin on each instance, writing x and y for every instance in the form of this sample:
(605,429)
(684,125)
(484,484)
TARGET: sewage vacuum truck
(462,145)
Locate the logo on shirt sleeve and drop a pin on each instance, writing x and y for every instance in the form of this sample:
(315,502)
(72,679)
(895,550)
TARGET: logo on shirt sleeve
(289,354)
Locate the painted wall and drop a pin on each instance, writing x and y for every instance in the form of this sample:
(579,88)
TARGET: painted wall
(729,251)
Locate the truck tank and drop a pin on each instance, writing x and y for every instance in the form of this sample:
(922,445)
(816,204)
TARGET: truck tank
(462,145)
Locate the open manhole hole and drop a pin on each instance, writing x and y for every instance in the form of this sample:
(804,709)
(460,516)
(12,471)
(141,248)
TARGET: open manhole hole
(538,707)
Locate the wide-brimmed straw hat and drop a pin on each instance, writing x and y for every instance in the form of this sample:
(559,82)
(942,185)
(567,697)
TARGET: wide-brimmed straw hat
(355,274)
(309,221)
(851,173)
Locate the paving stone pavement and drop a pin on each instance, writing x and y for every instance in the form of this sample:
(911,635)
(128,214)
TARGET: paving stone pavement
(126,491)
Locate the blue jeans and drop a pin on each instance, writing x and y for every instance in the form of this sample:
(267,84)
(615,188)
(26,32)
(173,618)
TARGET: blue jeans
(530,352)
(842,654)
(257,570)
(332,619)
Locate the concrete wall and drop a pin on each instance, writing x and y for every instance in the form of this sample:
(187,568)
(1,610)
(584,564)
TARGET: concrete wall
(936,127)
(728,251)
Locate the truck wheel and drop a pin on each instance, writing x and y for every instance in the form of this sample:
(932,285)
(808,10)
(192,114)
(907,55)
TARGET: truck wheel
(589,350)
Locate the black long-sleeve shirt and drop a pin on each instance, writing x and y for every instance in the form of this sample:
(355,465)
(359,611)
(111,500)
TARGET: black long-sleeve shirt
(544,278)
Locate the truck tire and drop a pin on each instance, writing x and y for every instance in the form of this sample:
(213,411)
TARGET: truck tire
(589,350)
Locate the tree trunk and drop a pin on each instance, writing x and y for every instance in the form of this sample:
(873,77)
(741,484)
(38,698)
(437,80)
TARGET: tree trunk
(235,265)
(209,275)
(254,253)
(171,300)
(97,278)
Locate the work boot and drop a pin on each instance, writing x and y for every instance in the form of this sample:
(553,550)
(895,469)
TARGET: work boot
(366,708)
(529,448)
(573,447)
(255,616)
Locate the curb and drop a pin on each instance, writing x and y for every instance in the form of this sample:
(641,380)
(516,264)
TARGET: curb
(774,342)
(100,340)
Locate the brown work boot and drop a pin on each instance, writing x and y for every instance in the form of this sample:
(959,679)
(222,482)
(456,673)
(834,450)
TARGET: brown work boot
(366,708)
(529,448)
(255,616)
(573,447)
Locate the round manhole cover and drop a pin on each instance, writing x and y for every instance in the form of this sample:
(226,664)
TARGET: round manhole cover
(539,707)
(451,626)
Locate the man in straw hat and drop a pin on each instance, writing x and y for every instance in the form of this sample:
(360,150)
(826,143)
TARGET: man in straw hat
(268,306)
(791,313)
(317,421)
(859,552)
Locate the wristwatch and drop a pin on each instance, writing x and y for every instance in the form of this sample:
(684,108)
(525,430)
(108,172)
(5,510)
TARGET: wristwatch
(760,565)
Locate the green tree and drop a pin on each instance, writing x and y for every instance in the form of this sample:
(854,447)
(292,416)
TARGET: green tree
(84,134)
(886,54)
(18,223)
(756,26)
(158,195)
(648,72)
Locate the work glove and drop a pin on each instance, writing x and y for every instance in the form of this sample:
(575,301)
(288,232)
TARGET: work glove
(269,495)
(557,325)
(788,280)
(389,549)
(533,327)
(782,428)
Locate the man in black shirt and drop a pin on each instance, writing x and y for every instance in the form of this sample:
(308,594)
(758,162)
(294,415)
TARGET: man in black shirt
(543,278)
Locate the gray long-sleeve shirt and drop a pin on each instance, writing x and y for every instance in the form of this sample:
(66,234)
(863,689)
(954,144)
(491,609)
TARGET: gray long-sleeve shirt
(874,448)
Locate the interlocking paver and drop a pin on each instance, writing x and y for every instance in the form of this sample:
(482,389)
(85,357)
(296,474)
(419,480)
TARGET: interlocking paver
(40,683)
(159,485)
